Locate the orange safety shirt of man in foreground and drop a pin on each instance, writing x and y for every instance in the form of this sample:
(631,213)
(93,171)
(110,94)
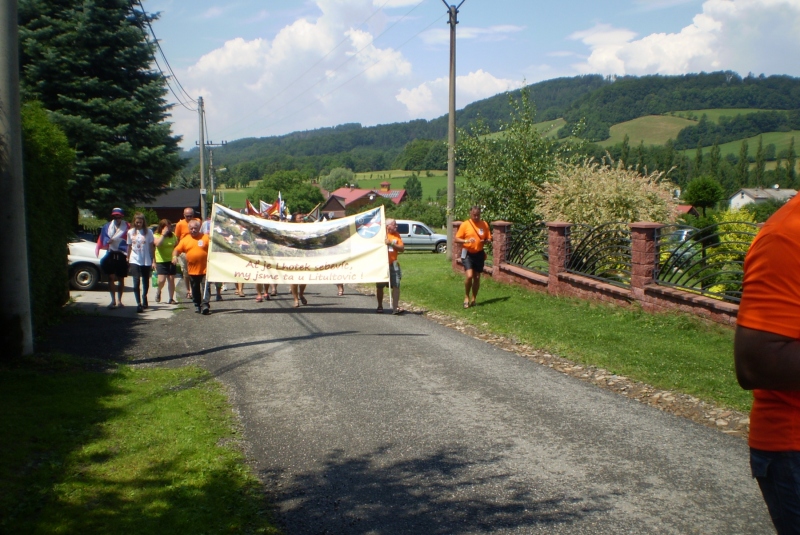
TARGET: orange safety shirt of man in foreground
(196,249)
(767,358)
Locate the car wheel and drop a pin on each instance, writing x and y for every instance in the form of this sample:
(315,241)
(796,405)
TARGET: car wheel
(441,247)
(84,277)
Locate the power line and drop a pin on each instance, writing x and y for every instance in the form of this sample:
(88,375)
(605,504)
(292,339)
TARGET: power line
(155,60)
(337,68)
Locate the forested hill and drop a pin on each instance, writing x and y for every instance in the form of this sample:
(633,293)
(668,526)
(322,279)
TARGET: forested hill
(630,97)
(552,98)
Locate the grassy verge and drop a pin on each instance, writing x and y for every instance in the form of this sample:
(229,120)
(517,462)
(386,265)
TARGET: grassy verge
(668,351)
(126,451)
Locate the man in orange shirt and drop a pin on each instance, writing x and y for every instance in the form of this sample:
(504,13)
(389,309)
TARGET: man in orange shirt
(767,357)
(394,244)
(195,247)
(181,230)
(473,233)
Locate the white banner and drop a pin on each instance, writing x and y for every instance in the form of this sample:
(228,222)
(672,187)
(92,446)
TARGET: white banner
(247,248)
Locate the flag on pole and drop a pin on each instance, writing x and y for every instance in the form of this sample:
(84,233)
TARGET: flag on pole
(251,210)
(264,207)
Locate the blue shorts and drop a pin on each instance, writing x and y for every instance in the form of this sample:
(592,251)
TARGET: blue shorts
(778,475)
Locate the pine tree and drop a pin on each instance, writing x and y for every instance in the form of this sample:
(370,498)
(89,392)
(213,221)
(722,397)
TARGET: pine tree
(760,163)
(413,188)
(697,167)
(714,160)
(89,63)
(625,152)
(790,165)
(743,166)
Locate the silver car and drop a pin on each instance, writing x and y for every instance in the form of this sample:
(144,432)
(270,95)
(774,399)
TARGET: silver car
(84,266)
(417,236)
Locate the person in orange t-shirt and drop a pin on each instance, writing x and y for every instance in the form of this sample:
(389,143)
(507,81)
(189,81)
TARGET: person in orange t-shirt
(472,234)
(181,230)
(195,247)
(394,244)
(767,358)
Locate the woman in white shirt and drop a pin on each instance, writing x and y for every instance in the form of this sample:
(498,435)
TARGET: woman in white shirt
(141,259)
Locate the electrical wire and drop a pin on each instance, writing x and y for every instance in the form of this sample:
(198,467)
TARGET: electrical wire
(155,60)
(337,68)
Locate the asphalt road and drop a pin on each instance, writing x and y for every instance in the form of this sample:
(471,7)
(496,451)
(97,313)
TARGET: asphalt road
(379,424)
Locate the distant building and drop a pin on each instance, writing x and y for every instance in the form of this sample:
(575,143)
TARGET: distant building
(688,209)
(747,196)
(349,197)
(170,204)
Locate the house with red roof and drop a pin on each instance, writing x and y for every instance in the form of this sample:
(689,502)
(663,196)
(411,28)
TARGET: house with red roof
(350,197)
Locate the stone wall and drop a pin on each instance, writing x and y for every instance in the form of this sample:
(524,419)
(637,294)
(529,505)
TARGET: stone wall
(643,288)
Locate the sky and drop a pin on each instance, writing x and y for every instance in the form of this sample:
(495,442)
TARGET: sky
(269,68)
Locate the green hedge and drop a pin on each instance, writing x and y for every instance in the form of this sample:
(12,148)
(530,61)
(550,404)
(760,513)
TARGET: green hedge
(48,163)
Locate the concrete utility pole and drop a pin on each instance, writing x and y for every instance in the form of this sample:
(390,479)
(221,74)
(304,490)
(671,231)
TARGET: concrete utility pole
(15,314)
(451,129)
(202,144)
(211,167)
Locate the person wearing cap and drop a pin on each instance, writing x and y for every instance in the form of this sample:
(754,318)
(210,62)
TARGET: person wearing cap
(113,239)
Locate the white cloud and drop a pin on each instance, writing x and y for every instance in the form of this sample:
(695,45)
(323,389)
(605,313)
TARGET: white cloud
(738,35)
(395,3)
(430,99)
(313,72)
(491,33)
(212,13)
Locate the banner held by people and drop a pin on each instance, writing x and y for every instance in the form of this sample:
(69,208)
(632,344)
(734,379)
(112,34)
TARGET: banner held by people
(349,250)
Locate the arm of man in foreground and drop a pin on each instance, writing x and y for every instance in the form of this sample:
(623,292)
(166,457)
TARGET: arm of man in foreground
(766,360)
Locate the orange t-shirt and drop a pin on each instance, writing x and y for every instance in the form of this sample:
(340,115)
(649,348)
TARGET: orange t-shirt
(771,303)
(392,251)
(182,228)
(196,253)
(480,231)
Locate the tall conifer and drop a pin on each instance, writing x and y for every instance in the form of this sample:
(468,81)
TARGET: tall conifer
(89,63)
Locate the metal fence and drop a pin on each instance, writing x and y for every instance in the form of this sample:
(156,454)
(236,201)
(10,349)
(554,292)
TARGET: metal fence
(527,247)
(602,253)
(707,261)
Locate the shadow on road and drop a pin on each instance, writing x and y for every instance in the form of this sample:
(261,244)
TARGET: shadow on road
(437,493)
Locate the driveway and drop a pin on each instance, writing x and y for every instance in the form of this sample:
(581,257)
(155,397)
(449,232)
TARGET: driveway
(365,423)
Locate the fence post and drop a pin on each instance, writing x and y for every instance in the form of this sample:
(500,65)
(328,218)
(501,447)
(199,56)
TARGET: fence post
(643,256)
(499,241)
(557,247)
(456,247)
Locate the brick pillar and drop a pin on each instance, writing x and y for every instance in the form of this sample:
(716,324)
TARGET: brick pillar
(500,231)
(643,256)
(456,247)
(557,253)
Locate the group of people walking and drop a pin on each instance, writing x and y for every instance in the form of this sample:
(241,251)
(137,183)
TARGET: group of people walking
(136,251)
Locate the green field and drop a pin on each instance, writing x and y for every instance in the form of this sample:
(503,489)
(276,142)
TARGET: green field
(715,114)
(234,198)
(780,139)
(652,129)
(397,178)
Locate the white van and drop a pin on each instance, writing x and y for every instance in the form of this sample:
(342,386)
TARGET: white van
(417,236)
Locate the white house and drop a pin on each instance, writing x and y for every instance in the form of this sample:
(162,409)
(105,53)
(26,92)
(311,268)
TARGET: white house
(759,195)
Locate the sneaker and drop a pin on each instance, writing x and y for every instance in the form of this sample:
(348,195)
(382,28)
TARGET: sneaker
(206,311)
(197,310)
(144,303)
(158,296)
(139,309)
(218,298)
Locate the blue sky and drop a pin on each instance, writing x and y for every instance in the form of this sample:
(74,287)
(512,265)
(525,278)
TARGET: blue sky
(273,67)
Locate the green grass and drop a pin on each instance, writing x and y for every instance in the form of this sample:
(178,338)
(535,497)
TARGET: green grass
(134,451)
(397,179)
(652,129)
(234,198)
(715,114)
(668,351)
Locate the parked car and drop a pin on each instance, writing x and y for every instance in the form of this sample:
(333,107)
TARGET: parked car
(417,236)
(84,266)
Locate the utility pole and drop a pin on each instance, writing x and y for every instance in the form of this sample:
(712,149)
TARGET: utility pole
(451,129)
(202,144)
(15,314)
(211,167)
